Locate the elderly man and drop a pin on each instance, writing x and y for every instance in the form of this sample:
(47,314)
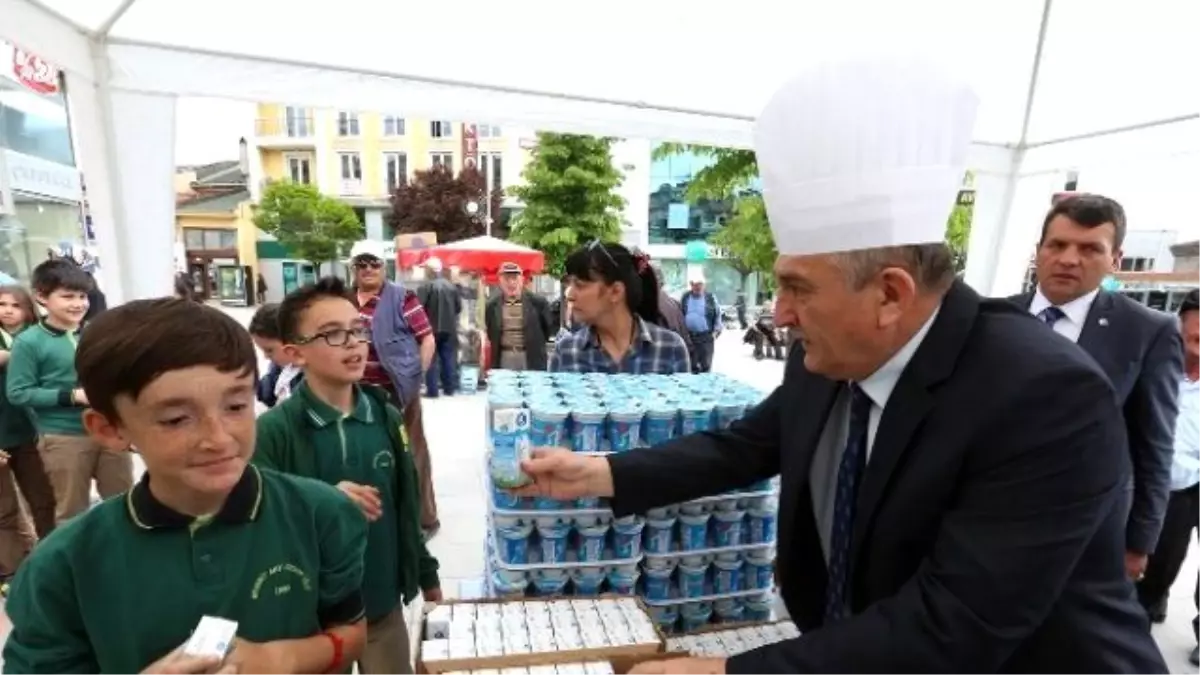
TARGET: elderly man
(401,348)
(518,323)
(952,493)
(702,317)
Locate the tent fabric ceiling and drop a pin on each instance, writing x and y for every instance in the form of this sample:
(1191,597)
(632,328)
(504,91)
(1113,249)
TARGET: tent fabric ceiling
(684,69)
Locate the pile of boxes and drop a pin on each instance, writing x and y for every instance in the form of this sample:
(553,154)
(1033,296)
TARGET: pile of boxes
(588,668)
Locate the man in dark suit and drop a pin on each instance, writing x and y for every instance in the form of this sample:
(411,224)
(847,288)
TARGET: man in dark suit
(518,323)
(1138,348)
(951,481)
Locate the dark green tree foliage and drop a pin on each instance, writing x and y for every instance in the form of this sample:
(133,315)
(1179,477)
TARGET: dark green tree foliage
(308,224)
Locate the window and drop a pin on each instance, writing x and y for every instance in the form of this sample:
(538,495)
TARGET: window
(347,124)
(491,167)
(1137,264)
(297,121)
(299,169)
(441,129)
(445,159)
(393,125)
(395,169)
(487,131)
(351,165)
(199,239)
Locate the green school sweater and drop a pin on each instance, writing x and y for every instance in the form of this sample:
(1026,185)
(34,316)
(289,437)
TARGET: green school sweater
(16,429)
(41,377)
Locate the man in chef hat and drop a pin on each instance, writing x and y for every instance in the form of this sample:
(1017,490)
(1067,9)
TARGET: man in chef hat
(951,492)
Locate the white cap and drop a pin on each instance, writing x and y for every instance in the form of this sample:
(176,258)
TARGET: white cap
(863,154)
(434,264)
(368,247)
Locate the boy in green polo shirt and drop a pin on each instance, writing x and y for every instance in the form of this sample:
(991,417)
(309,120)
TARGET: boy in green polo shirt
(346,434)
(121,587)
(42,379)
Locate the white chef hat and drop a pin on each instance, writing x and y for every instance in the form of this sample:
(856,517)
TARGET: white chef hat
(863,154)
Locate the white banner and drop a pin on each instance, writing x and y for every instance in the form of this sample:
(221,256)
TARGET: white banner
(39,177)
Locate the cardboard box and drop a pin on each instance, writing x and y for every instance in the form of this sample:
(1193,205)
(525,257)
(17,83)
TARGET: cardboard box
(624,657)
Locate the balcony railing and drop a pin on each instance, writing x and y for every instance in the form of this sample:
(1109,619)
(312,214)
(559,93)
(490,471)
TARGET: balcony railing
(293,127)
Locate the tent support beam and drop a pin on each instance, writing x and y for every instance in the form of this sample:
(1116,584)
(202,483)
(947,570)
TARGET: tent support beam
(1116,130)
(498,89)
(105,28)
(1035,73)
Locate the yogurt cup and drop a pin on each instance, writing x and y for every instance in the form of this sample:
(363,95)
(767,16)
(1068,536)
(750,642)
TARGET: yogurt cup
(622,579)
(727,528)
(627,537)
(547,504)
(590,542)
(553,536)
(693,532)
(624,428)
(729,611)
(693,509)
(761,526)
(665,617)
(758,573)
(757,609)
(468,379)
(550,582)
(694,615)
(660,563)
(659,535)
(587,580)
(587,429)
(587,503)
(512,576)
(512,544)
(695,417)
(656,584)
(548,427)
(660,423)
(692,580)
(727,576)
(507,589)
(504,499)
(729,412)
(662,513)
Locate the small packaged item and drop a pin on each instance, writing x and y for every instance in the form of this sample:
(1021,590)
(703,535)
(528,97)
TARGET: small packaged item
(462,630)
(437,623)
(462,649)
(487,611)
(461,611)
(788,630)
(214,637)
(435,650)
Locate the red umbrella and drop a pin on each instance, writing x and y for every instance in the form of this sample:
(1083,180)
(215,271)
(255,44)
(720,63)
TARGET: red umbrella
(482,255)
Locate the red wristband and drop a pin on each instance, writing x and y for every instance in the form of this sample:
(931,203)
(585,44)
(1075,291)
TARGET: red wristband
(335,665)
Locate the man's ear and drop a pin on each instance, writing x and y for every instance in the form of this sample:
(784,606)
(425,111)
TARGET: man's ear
(294,355)
(104,431)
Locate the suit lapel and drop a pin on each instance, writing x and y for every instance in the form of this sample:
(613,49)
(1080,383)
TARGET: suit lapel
(911,401)
(817,394)
(1095,326)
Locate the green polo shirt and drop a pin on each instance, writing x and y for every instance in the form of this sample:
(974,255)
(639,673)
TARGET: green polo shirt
(357,448)
(16,429)
(41,377)
(123,584)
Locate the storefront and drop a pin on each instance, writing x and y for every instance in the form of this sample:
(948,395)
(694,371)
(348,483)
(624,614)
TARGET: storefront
(40,187)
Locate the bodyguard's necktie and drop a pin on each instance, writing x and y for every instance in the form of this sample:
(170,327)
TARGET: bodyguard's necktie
(850,471)
(1051,315)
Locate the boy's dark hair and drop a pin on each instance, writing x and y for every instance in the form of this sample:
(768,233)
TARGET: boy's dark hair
(129,346)
(292,309)
(60,273)
(1191,302)
(1090,211)
(265,323)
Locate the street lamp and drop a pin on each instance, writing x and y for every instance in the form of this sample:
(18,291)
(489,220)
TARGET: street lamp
(472,209)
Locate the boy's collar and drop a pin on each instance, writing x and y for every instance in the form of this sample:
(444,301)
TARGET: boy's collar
(241,506)
(55,331)
(321,414)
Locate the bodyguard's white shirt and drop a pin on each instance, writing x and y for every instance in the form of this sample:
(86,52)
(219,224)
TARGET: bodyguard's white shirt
(823,474)
(1076,312)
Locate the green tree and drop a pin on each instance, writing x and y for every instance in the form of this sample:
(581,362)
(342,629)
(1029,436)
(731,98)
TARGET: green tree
(308,224)
(568,196)
(746,238)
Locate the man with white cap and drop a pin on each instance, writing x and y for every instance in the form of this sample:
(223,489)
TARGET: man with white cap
(952,481)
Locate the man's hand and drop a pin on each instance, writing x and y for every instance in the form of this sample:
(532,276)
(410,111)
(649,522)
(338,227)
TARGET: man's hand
(1135,564)
(178,663)
(260,657)
(562,474)
(79,396)
(365,496)
(432,595)
(691,666)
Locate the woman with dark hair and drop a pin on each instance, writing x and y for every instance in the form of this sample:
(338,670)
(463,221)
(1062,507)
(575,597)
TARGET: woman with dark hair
(614,294)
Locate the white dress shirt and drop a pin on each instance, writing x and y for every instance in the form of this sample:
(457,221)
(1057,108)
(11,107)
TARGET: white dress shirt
(823,474)
(1185,467)
(1071,325)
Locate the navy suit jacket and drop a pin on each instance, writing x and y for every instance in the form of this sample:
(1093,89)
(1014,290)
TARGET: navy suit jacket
(990,527)
(1141,352)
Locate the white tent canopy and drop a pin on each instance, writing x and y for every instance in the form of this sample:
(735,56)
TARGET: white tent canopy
(1115,80)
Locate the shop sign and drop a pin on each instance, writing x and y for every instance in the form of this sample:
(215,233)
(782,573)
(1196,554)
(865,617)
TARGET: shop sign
(7,208)
(30,70)
(36,176)
(470,146)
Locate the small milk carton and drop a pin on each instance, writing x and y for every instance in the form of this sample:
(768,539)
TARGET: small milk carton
(511,445)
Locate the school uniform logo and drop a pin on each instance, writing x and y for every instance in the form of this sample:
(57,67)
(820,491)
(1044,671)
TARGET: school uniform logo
(279,580)
(383,460)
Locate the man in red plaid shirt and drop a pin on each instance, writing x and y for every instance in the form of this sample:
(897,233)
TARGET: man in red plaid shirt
(401,350)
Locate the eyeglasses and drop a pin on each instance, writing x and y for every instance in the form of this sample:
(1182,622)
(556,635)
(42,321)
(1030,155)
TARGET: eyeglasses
(339,337)
(368,264)
(597,244)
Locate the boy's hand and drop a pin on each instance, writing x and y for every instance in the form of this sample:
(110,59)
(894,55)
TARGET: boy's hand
(179,663)
(4,457)
(79,396)
(432,595)
(365,496)
(260,657)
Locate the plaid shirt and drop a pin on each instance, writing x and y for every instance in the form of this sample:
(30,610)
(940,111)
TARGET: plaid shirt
(654,350)
(417,320)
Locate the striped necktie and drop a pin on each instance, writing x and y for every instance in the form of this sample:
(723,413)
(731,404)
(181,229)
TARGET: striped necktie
(1051,315)
(850,471)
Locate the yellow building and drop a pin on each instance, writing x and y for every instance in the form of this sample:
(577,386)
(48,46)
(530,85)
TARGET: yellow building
(218,245)
(360,157)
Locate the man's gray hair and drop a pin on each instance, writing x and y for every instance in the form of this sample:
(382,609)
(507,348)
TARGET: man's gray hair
(931,265)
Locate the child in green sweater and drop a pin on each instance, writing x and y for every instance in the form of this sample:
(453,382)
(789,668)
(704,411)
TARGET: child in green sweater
(41,378)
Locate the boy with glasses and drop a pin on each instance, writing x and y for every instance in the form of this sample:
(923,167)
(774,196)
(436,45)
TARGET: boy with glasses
(348,434)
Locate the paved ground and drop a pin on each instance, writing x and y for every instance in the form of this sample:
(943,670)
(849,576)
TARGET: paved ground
(455,429)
